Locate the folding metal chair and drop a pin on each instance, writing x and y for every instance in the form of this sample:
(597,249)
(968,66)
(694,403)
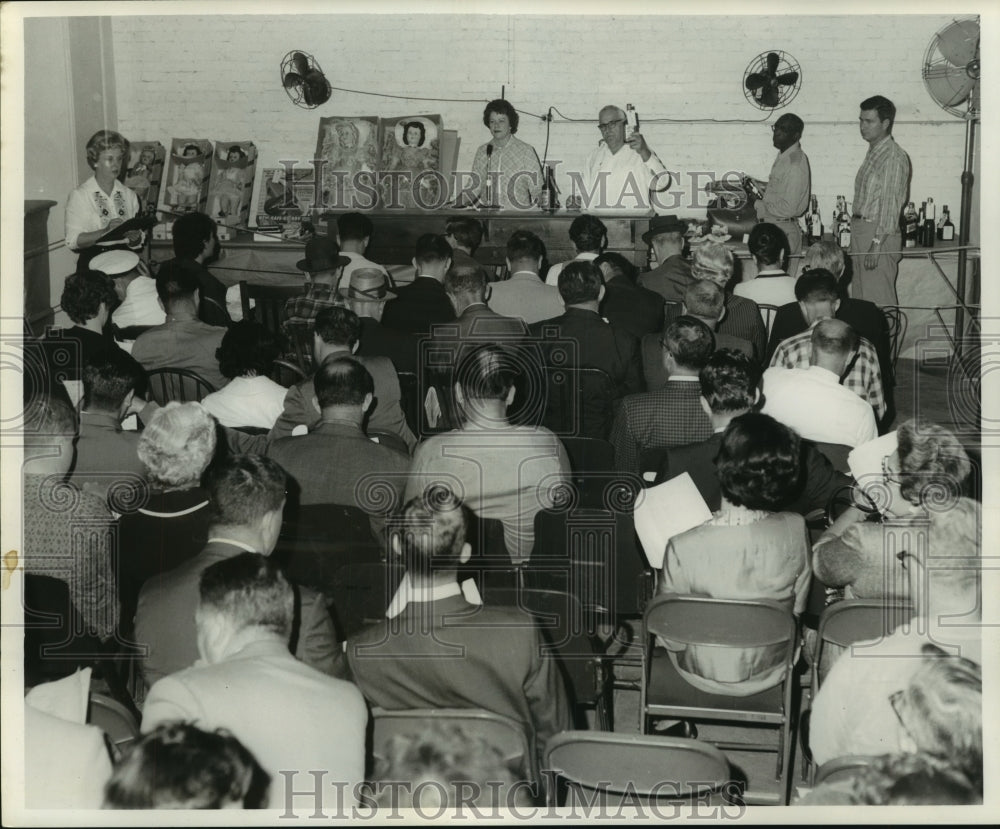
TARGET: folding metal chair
(119,725)
(897,323)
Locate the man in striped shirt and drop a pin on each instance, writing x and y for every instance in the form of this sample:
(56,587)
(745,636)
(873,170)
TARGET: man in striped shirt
(880,189)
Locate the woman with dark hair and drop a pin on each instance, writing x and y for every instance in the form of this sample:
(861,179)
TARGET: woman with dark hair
(750,549)
(102,202)
(414,134)
(509,165)
(251,399)
(922,481)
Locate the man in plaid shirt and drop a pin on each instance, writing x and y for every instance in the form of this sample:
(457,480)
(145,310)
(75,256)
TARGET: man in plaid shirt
(324,264)
(819,302)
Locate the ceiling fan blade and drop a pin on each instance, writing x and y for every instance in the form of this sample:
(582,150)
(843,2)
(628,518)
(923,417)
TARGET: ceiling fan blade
(756,80)
(772,62)
(788,79)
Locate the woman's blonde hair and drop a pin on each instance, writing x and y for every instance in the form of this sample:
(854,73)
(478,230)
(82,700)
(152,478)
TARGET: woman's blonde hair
(178,444)
(714,261)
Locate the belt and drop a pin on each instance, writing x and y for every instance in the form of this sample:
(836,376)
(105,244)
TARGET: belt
(859,216)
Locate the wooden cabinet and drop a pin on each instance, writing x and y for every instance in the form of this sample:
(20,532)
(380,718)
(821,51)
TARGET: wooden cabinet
(37,300)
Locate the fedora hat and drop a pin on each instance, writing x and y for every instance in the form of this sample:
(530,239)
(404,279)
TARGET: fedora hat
(367,283)
(322,254)
(664,224)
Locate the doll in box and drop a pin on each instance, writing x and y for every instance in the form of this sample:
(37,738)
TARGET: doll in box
(187,188)
(231,182)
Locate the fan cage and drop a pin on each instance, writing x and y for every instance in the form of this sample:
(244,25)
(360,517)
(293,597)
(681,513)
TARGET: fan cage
(953,87)
(297,94)
(786,63)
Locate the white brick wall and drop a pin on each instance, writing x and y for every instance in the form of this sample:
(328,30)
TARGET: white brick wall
(217,77)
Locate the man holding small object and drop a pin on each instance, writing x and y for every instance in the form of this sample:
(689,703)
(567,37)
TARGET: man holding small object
(623,170)
(880,189)
(786,191)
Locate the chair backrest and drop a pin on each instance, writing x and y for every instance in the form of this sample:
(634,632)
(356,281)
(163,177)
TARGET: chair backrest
(285,373)
(726,623)
(843,768)
(767,313)
(269,303)
(115,720)
(300,333)
(654,768)
(897,323)
(580,402)
(507,735)
(181,384)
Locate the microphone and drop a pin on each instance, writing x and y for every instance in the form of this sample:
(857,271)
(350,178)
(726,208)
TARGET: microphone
(489,181)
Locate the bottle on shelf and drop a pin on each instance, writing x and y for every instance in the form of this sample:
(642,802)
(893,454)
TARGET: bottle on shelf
(817,220)
(929,217)
(843,223)
(909,226)
(549,198)
(947,228)
(920,225)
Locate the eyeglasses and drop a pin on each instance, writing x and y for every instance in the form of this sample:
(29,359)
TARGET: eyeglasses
(610,125)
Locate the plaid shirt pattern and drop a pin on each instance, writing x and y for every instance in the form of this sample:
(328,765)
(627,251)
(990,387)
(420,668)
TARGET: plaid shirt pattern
(864,378)
(880,185)
(305,308)
(671,416)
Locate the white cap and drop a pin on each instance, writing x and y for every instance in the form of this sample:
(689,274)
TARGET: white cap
(115,262)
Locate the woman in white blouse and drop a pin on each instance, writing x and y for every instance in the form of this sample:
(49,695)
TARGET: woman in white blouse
(102,202)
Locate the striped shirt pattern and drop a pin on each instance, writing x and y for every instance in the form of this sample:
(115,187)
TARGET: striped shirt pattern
(880,185)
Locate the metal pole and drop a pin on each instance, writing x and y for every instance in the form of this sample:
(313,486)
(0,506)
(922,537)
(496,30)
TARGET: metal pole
(965,226)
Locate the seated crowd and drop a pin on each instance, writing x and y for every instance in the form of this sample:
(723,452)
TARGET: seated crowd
(287,564)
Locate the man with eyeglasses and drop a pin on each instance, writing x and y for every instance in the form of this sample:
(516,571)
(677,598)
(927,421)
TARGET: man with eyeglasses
(623,171)
(786,191)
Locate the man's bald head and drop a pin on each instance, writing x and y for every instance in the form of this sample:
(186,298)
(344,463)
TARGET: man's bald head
(834,342)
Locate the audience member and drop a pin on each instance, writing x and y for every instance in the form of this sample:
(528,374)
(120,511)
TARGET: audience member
(134,287)
(672,274)
(704,301)
(812,401)
(179,766)
(714,261)
(671,415)
(772,285)
(818,300)
(289,716)
(474,657)
(468,288)
(928,472)
(506,472)
(323,263)
(247,496)
(107,455)
(366,296)
(67,534)
(336,463)
(581,338)
(750,549)
(250,398)
(196,240)
(730,388)
(626,305)
(335,334)
(524,294)
(464,234)
(589,236)
(853,713)
(354,232)
(423,303)
(183,341)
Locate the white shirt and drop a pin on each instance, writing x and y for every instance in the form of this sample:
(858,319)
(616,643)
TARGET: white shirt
(140,306)
(627,182)
(775,288)
(247,401)
(552,277)
(89,208)
(407,593)
(357,261)
(813,403)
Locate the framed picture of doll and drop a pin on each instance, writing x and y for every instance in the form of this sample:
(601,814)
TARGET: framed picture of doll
(143,171)
(231,187)
(347,152)
(411,144)
(189,171)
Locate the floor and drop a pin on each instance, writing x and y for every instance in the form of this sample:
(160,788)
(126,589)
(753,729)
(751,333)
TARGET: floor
(939,391)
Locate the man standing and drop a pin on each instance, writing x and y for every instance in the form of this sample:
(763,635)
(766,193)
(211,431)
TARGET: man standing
(786,191)
(880,189)
(622,171)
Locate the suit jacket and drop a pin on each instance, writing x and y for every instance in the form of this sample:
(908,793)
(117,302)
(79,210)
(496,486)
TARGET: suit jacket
(863,316)
(527,297)
(164,621)
(330,464)
(289,716)
(378,341)
(105,454)
(432,656)
(743,320)
(670,416)
(655,372)
(418,306)
(818,482)
(632,308)
(186,344)
(670,279)
(387,416)
(212,293)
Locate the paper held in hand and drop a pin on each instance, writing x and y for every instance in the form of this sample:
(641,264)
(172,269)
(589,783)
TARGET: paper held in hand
(666,510)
